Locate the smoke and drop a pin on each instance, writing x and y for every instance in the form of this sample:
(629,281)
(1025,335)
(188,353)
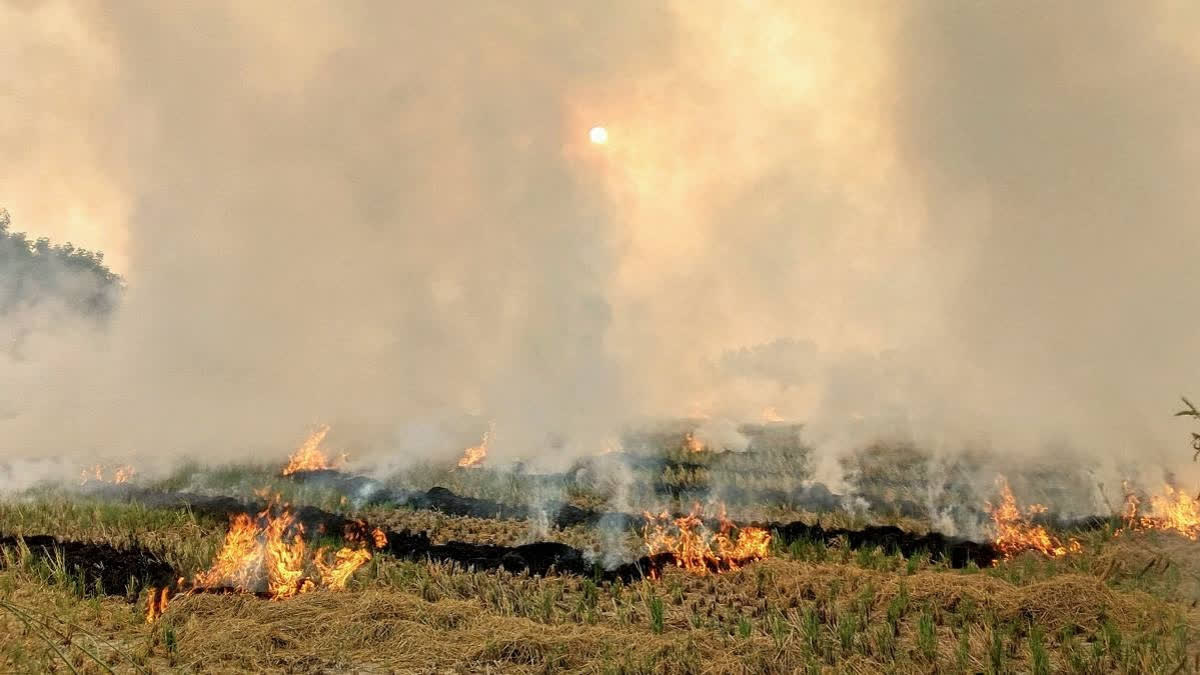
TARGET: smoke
(958,225)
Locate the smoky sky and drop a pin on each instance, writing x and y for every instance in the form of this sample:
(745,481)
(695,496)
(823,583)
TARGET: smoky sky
(958,223)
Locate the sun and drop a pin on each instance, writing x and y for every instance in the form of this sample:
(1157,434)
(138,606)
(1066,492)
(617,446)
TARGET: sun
(598,135)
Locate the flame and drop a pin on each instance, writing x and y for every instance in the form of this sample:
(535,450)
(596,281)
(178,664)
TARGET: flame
(285,559)
(240,559)
(156,603)
(696,548)
(345,562)
(356,531)
(310,457)
(87,474)
(1016,534)
(1174,510)
(120,474)
(691,443)
(270,549)
(770,414)
(474,455)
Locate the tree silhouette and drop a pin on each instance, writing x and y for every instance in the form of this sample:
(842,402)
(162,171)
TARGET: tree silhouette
(1191,411)
(35,272)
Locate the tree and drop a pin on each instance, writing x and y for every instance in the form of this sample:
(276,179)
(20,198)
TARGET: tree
(34,272)
(1191,411)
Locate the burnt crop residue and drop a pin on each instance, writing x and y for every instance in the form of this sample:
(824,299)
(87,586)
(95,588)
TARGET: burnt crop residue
(98,569)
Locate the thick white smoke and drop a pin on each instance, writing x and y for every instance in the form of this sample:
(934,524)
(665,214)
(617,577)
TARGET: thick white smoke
(960,225)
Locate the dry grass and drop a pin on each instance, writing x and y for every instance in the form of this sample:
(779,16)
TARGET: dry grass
(382,629)
(182,539)
(779,615)
(443,528)
(1125,605)
(44,628)
(433,618)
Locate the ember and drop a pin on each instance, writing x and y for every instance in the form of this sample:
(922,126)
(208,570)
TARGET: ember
(698,549)
(1015,533)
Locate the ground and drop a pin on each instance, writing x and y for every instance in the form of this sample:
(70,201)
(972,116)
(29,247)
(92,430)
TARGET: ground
(1126,603)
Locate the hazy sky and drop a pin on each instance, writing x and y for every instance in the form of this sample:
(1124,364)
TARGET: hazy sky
(955,222)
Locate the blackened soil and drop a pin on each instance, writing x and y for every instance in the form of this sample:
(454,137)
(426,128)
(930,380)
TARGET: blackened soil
(103,569)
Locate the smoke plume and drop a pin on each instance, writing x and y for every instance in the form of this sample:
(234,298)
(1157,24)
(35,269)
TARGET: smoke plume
(961,225)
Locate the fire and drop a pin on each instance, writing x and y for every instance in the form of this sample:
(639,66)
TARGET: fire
(378,538)
(474,455)
(284,558)
(770,414)
(1174,510)
(156,603)
(1015,533)
(267,552)
(691,443)
(699,550)
(96,472)
(309,456)
(345,562)
(240,559)
(272,547)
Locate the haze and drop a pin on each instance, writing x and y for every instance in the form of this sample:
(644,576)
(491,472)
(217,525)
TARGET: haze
(957,224)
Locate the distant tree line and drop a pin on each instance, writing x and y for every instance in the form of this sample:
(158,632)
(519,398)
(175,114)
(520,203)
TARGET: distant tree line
(35,272)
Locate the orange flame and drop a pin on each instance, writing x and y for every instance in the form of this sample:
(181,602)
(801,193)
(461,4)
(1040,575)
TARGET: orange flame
(285,559)
(345,562)
(691,443)
(770,414)
(240,559)
(378,538)
(310,457)
(120,474)
(156,603)
(270,549)
(474,455)
(699,550)
(1016,534)
(1174,511)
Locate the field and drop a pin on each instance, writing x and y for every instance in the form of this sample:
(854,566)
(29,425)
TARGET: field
(1123,603)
